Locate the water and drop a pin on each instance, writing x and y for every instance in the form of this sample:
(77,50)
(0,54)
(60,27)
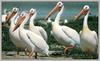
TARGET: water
(71,8)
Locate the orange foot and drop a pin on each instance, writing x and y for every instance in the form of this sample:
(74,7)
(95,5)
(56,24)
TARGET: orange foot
(30,54)
(69,47)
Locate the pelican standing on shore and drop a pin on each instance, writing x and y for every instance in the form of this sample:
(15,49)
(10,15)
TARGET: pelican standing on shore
(63,34)
(89,40)
(36,29)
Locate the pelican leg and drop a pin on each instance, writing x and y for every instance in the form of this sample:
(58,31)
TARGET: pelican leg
(17,54)
(35,55)
(30,54)
(69,47)
(26,53)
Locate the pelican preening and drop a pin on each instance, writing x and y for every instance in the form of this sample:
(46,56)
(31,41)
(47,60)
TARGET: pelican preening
(89,39)
(63,34)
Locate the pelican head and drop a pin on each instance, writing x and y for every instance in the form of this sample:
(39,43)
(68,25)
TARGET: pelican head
(5,11)
(32,12)
(15,9)
(20,20)
(11,14)
(58,7)
(84,11)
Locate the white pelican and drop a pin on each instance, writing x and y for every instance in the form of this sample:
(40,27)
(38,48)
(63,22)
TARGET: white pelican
(89,40)
(6,17)
(14,36)
(34,42)
(36,29)
(63,34)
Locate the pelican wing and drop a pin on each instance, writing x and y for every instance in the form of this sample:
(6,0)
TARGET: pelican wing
(37,41)
(52,34)
(43,33)
(71,33)
(80,32)
(95,36)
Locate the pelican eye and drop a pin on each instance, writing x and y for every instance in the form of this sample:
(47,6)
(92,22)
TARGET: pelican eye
(60,4)
(23,14)
(32,11)
(15,9)
(86,7)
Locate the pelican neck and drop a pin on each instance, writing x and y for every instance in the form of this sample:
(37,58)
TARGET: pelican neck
(31,23)
(57,19)
(85,23)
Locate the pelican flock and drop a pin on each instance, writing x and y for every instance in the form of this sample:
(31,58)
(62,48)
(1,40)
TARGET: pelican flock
(34,39)
(36,44)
